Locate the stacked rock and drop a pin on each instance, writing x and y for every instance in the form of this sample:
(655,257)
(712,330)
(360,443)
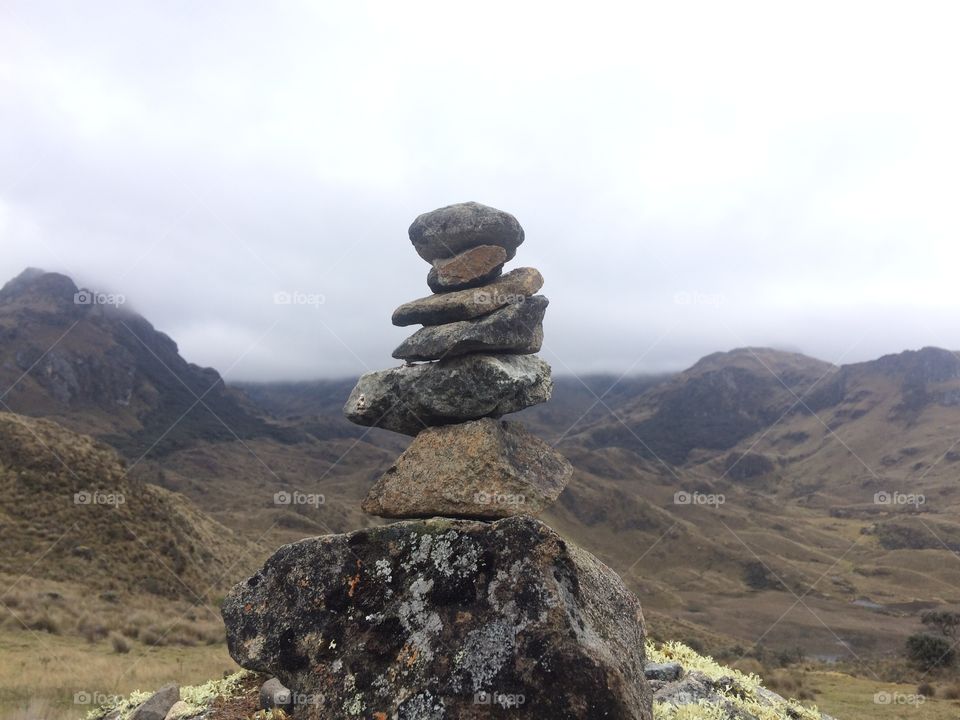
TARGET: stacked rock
(471,363)
(457,613)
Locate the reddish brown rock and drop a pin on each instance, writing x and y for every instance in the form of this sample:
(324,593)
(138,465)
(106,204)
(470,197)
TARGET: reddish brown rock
(473,267)
(483,469)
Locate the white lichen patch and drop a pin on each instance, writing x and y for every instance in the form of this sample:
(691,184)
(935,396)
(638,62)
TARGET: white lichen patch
(486,650)
(421,624)
(384,570)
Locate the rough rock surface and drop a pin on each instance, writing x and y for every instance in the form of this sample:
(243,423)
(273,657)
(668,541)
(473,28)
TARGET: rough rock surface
(509,289)
(514,328)
(406,399)
(157,705)
(450,230)
(469,269)
(444,619)
(482,469)
(273,694)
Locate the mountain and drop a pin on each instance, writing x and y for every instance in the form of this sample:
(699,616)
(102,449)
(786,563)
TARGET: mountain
(81,358)
(743,498)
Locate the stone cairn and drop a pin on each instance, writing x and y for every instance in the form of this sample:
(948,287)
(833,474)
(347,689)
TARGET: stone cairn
(470,607)
(480,331)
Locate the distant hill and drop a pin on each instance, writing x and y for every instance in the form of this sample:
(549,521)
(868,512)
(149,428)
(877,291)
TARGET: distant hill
(69,513)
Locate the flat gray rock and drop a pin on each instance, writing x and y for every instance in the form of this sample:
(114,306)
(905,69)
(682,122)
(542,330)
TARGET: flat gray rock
(484,469)
(157,705)
(516,328)
(508,289)
(406,399)
(450,230)
(444,620)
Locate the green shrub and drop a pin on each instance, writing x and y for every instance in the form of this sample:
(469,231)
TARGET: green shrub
(929,651)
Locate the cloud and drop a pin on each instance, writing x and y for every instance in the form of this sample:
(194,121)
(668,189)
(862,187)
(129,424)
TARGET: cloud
(788,173)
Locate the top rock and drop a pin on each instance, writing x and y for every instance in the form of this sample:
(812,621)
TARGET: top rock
(450,230)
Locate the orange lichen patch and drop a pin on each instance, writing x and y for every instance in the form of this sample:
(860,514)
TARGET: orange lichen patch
(379,716)
(354,581)
(248,607)
(408,655)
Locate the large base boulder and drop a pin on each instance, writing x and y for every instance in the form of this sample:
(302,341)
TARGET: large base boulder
(436,619)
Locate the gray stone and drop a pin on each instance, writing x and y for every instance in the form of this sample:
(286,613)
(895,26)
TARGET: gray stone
(509,289)
(664,672)
(448,619)
(157,705)
(483,469)
(274,694)
(181,710)
(471,268)
(514,328)
(407,399)
(450,230)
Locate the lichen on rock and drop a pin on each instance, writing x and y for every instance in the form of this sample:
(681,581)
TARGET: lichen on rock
(443,618)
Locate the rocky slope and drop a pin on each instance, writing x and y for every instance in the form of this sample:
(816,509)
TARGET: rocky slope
(68,512)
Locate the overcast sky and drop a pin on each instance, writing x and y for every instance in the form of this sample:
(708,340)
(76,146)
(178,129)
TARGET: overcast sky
(692,177)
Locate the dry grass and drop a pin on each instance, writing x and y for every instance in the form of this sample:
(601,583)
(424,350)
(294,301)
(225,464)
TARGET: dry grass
(82,643)
(64,677)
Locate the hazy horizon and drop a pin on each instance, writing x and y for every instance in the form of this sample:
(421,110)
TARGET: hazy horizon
(691,178)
